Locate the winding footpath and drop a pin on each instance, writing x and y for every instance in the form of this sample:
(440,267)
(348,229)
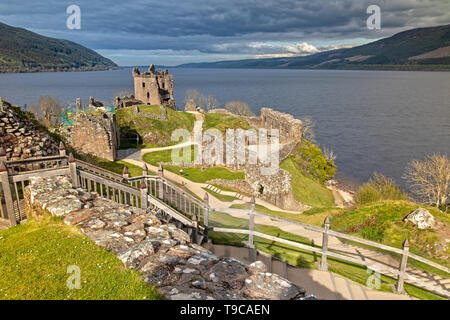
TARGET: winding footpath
(320,278)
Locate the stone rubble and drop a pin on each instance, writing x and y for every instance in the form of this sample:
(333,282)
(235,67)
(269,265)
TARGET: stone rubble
(20,138)
(162,253)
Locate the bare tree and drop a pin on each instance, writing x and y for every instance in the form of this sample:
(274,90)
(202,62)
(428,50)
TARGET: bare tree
(429,179)
(206,103)
(49,109)
(308,129)
(195,96)
(211,103)
(239,107)
(328,153)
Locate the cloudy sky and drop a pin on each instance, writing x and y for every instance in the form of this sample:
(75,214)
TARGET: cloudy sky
(169,32)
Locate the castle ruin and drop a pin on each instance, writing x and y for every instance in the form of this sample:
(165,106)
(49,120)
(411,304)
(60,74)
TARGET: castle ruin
(154,87)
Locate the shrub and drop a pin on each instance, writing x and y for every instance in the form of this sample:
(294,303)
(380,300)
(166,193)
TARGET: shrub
(379,188)
(311,161)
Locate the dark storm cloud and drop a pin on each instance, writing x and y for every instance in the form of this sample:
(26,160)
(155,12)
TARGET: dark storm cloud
(214,26)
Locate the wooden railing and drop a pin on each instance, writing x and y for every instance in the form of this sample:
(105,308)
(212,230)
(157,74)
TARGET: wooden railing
(176,204)
(147,192)
(400,273)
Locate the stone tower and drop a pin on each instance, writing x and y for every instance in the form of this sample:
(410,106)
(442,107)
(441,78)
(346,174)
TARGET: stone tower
(154,87)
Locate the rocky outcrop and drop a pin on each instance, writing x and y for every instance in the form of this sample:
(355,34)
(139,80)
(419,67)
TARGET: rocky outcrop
(20,138)
(162,253)
(422,218)
(95,133)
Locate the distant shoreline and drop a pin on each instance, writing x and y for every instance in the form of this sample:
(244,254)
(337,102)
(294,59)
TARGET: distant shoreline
(48,71)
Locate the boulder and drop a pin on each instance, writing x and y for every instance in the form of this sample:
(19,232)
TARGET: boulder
(422,218)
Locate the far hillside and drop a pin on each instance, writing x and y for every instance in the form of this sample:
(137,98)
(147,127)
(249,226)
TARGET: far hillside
(25,51)
(416,49)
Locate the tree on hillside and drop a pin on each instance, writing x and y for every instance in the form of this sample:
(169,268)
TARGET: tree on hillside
(429,179)
(49,110)
(239,108)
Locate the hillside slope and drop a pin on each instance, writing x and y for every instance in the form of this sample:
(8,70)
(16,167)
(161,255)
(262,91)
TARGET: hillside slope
(25,51)
(417,49)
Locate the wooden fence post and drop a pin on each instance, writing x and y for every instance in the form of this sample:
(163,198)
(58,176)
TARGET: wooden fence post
(402,268)
(323,261)
(161,182)
(125,172)
(145,170)
(4,180)
(206,215)
(144,195)
(73,171)
(195,227)
(251,223)
(62,149)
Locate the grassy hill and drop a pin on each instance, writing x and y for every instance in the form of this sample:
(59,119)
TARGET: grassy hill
(25,51)
(35,257)
(416,49)
(151,131)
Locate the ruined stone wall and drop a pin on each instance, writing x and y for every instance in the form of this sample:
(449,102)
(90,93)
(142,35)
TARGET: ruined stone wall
(154,88)
(94,134)
(290,128)
(275,188)
(20,138)
(162,253)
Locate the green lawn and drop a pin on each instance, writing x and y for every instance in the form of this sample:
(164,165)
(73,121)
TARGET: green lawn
(221,197)
(156,157)
(34,258)
(297,257)
(307,190)
(222,122)
(117,167)
(150,109)
(193,174)
(161,131)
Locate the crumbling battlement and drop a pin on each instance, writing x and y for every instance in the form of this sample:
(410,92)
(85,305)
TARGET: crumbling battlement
(95,133)
(154,87)
(290,128)
(162,253)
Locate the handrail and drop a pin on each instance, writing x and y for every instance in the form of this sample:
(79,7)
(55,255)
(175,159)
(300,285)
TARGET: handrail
(357,239)
(381,269)
(35,159)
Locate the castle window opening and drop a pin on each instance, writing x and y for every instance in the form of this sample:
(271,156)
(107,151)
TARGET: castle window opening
(143,84)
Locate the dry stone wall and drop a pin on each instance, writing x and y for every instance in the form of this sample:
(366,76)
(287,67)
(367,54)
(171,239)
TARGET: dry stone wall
(162,253)
(20,138)
(93,133)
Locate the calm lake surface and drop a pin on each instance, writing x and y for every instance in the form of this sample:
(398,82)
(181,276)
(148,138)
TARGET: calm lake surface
(373,120)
